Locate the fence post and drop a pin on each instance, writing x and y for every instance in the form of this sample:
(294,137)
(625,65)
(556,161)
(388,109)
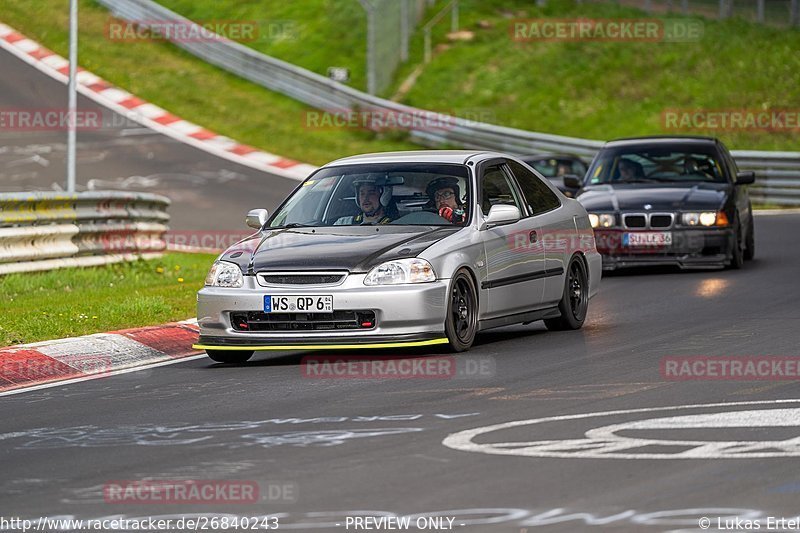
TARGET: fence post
(648,6)
(427,45)
(404,29)
(454,17)
(372,80)
(722,9)
(760,11)
(795,16)
(685,7)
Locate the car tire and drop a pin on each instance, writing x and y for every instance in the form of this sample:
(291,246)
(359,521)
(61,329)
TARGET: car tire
(750,242)
(574,303)
(461,322)
(230,356)
(737,254)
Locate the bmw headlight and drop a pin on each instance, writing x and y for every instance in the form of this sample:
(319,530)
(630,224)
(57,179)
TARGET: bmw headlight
(225,274)
(412,270)
(705,218)
(604,220)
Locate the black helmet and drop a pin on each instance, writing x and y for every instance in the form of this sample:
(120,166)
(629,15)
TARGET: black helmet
(444,182)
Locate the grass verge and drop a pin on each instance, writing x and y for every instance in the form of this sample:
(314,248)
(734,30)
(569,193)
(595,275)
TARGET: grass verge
(604,90)
(81,301)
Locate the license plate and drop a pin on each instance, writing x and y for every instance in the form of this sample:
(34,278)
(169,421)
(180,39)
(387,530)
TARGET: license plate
(647,238)
(298,304)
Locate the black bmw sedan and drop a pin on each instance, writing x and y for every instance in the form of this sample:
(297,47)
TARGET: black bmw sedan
(669,201)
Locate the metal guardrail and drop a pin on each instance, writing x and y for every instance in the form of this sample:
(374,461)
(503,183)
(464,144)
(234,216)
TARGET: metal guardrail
(45,231)
(323,93)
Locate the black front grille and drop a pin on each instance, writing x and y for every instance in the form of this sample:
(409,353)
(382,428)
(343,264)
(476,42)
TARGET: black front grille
(338,320)
(660,221)
(301,279)
(635,221)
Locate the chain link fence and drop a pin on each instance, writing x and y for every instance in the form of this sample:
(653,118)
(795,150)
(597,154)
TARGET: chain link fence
(772,12)
(390,24)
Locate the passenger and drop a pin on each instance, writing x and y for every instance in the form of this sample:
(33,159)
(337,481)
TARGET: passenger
(373,198)
(445,197)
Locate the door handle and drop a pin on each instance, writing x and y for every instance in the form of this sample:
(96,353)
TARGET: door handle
(533,236)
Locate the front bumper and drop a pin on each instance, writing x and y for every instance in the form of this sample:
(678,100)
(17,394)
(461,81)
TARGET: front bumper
(405,315)
(690,248)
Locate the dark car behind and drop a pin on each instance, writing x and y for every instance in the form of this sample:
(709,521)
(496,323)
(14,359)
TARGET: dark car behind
(669,201)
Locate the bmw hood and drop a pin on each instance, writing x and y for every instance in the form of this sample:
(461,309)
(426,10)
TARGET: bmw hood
(351,248)
(661,197)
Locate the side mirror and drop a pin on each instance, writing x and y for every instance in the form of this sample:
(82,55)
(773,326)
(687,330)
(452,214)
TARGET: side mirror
(571,181)
(256,218)
(502,214)
(745,178)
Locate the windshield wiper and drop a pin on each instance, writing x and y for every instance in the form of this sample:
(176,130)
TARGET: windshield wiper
(637,180)
(295,225)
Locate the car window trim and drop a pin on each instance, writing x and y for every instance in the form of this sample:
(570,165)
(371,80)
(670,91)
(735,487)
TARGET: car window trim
(544,181)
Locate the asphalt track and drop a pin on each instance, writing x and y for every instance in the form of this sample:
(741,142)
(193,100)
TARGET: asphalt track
(326,439)
(208,193)
(324,449)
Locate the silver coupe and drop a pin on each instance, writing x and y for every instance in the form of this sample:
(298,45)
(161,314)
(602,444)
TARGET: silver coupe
(402,249)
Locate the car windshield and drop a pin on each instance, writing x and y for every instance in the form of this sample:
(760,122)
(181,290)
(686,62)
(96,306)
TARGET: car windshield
(656,165)
(401,194)
(556,167)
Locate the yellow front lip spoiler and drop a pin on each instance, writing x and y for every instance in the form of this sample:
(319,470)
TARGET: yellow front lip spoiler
(409,344)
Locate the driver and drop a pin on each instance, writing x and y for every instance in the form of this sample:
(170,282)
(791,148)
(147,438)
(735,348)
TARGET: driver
(630,170)
(445,196)
(372,197)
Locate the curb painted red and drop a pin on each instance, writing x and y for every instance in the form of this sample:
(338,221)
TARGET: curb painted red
(28,365)
(145,113)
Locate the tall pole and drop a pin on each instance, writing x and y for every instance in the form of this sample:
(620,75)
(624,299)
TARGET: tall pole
(73,98)
(372,82)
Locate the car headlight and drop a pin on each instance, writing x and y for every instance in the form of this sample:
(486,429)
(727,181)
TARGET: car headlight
(413,270)
(601,221)
(705,218)
(225,274)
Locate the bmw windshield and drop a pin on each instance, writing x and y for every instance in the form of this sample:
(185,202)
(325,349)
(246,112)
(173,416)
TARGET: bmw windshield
(402,194)
(655,165)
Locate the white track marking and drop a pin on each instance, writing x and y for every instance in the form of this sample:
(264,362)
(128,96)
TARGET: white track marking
(602,443)
(104,375)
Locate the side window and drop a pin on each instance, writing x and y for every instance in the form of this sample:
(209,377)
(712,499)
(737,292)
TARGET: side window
(538,195)
(496,189)
(730,162)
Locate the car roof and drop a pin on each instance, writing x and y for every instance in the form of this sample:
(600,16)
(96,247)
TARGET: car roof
(663,139)
(419,156)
